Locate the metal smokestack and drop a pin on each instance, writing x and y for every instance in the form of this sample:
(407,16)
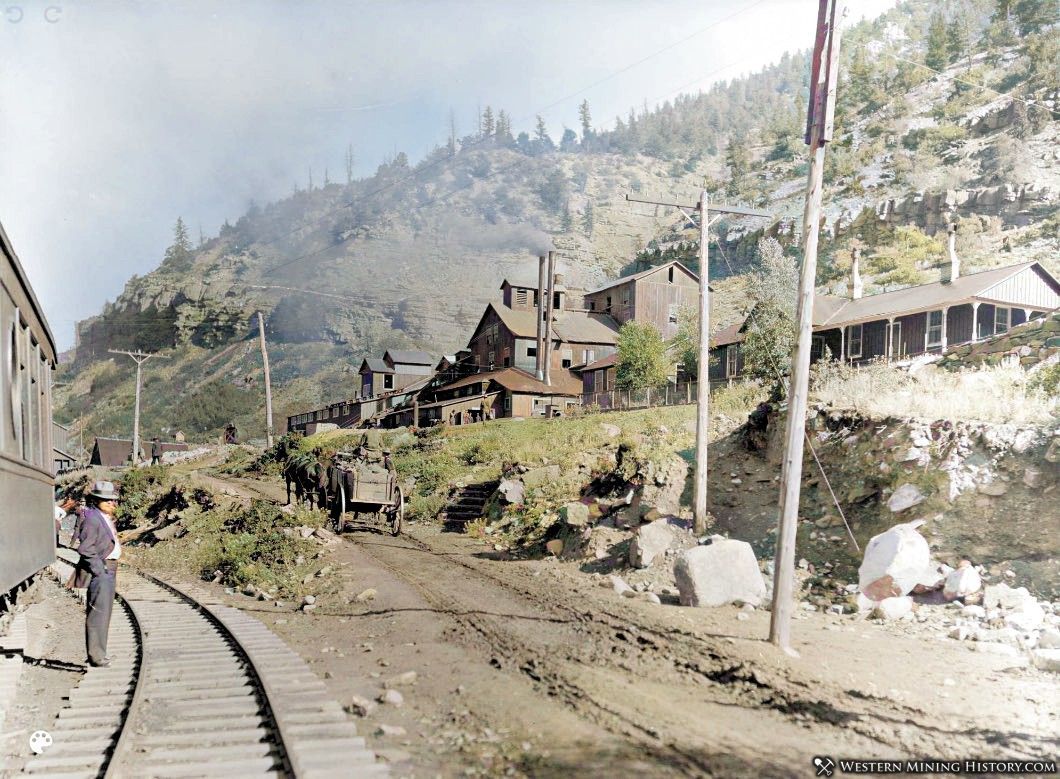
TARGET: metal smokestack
(854,285)
(539,361)
(548,316)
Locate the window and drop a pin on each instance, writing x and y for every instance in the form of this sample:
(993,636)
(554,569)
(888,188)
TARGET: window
(567,358)
(817,347)
(557,300)
(671,274)
(1002,319)
(491,358)
(934,328)
(897,348)
(607,307)
(673,309)
(855,333)
(592,305)
(507,402)
(520,297)
(531,351)
(732,360)
(507,361)
(388,381)
(590,356)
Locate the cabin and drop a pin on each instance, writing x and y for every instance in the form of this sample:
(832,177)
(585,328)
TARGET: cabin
(726,354)
(904,323)
(657,295)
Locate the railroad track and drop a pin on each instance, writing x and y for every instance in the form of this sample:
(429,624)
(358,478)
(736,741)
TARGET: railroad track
(197,690)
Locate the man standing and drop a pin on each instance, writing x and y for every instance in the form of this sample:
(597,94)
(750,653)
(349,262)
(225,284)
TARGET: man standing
(156,451)
(99,549)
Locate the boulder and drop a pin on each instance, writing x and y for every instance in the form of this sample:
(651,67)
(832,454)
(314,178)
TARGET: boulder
(511,491)
(1029,616)
(1049,639)
(611,431)
(894,562)
(1004,596)
(1032,477)
(893,608)
(652,540)
(964,581)
(724,571)
(538,477)
(1047,659)
(575,515)
(905,497)
(994,488)
(618,584)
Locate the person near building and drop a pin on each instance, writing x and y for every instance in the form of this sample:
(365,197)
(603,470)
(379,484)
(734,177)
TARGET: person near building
(100,550)
(156,451)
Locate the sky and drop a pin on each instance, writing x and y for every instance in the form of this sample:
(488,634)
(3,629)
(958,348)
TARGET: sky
(118,117)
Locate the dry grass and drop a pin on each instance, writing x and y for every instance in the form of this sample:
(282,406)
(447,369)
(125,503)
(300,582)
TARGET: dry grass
(996,395)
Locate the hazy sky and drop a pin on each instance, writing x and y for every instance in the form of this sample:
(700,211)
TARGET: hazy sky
(119,116)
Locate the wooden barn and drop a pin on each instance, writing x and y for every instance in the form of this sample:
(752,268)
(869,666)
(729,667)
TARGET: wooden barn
(657,295)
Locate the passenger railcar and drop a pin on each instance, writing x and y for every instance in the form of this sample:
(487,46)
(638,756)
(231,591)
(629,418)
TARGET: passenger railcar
(27,359)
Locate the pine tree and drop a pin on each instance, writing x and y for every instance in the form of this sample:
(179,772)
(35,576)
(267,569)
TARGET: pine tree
(566,218)
(349,164)
(957,38)
(451,143)
(326,179)
(936,55)
(179,253)
(504,127)
(586,120)
(587,219)
(310,178)
(202,237)
(488,124)
(541,136)
(736,158)
(1034,15)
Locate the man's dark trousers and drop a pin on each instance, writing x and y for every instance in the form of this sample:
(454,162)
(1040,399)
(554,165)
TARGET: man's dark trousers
(100,605)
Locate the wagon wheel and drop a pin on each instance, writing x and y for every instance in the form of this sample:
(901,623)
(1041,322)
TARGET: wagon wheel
(338,509)
(397,514)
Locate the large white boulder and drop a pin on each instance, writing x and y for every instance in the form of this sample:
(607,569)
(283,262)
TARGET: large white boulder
(894,562)
(1047,659)
(894,608)
(1004,596)
(724,571)
(1029,616)
(964,581)
(653,539)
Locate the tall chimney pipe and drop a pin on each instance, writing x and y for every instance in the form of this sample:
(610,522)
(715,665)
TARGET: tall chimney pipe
(854,285)
(539,362)
(548,316)
(955,262)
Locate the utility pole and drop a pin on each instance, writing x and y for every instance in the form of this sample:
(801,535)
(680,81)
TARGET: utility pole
(703,378)
(550,296)
(139,358)
(823,77)
(268,383)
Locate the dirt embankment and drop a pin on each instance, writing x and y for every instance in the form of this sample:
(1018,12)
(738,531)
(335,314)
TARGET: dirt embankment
(530,667)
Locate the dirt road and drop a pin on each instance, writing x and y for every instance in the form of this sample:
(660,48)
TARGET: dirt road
(531,667)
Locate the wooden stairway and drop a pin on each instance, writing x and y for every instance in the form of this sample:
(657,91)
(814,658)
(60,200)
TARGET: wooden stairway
(466,504)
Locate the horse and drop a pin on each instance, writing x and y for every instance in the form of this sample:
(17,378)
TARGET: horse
(309,478)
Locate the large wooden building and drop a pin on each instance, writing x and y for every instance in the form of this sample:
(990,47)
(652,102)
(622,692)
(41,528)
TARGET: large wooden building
(928,318)
(657,295)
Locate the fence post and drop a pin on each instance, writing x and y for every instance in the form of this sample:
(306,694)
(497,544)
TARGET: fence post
(648,398)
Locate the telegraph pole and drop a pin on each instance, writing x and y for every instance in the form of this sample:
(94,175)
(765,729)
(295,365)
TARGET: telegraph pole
(823,77)
(139,358)
(268,383)
(703,382)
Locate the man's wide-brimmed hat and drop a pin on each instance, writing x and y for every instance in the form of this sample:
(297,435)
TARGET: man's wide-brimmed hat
(104,490)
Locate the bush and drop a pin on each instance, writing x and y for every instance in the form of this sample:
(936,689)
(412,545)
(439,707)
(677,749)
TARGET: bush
(1046,380)
(935,140)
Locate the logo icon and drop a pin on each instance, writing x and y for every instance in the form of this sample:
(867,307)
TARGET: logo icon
(824,766)
(39,741)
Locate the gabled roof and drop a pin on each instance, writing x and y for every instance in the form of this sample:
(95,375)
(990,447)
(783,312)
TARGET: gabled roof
(603,362)
(115,451)
(924,296)
(643,274)
(408,357)
(571,326)
(733,334)
(375,365)
(515,380)
(584,327)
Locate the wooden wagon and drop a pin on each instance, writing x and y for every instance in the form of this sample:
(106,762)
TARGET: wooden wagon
(358,488)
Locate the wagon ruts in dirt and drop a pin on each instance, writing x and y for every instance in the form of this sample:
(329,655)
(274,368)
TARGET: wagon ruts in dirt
(360,489)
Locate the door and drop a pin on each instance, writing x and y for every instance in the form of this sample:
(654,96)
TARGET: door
(895,340)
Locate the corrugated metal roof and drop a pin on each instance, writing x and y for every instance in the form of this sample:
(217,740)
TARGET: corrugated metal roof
(523,324)
(920,298)
(409,357)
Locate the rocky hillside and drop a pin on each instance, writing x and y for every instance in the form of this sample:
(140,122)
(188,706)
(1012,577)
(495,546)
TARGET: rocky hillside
(410,255)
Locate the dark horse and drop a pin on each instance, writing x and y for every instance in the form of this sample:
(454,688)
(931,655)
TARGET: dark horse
(309,479)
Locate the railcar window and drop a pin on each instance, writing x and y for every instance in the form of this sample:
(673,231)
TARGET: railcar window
(15,381)
(24,383)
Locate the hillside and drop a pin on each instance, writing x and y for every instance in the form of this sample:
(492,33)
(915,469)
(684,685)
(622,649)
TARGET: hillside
(410,255)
